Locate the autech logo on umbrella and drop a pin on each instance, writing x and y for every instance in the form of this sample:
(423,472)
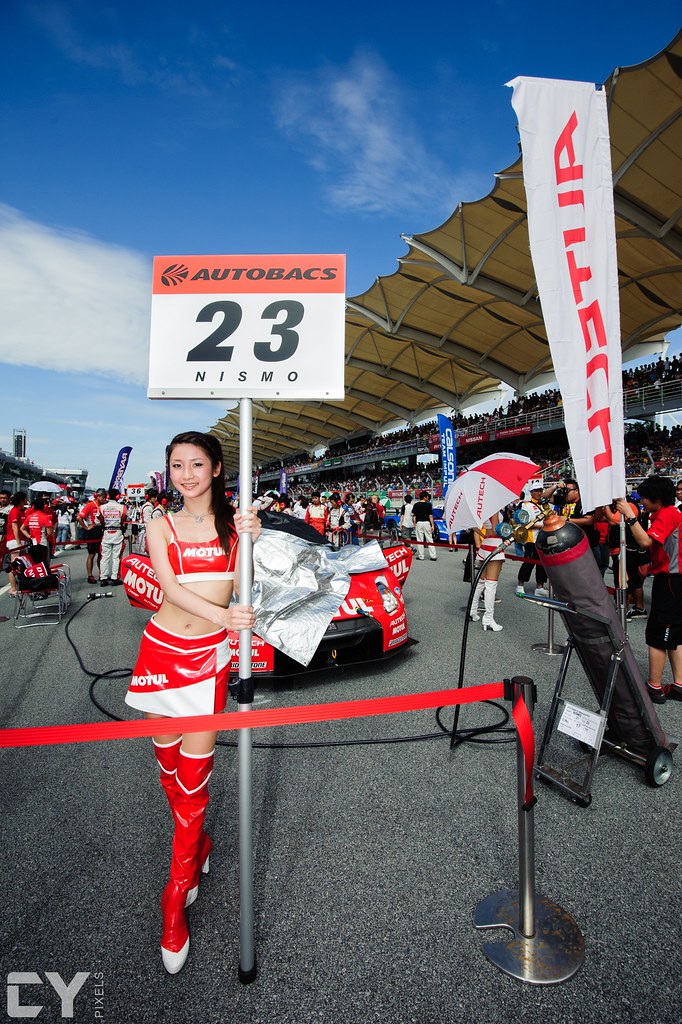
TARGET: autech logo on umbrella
(174,274)
(481,492)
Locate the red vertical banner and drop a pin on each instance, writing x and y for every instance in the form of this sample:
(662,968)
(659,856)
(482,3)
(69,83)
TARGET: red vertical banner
(571,226)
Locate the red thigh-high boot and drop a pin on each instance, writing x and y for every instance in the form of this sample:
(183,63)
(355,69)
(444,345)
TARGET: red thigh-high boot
(167,756)
(193,773)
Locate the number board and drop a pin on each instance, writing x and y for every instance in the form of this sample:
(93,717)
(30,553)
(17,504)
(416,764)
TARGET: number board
(248,327)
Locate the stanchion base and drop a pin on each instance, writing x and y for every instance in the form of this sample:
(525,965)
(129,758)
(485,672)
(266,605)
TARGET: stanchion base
(247,977)
(555,649)
(553,955)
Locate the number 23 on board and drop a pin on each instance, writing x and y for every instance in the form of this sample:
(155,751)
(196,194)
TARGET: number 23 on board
(283,338)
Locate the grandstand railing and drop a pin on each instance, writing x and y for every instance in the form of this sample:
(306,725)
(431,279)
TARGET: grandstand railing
(645,401)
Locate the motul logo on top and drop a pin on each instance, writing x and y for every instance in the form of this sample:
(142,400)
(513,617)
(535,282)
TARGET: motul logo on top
(203,552)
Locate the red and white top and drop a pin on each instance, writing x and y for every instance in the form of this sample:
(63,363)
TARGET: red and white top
(37,524)
(203,561)
(317,517)
(664,530)
(91,514)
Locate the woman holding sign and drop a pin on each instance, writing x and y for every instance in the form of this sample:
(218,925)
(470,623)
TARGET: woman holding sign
(182,667)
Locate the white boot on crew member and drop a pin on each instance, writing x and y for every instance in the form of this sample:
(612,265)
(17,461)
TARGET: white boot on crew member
(488,620)
(478,594)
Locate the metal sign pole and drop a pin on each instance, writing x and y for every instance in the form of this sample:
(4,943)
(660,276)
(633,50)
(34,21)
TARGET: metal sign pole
(276,327)
(247,957)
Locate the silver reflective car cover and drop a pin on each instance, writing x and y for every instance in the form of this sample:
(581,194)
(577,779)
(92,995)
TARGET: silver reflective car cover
(299,586)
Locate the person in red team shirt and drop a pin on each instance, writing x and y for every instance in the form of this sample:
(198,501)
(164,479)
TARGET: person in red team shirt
(38,526)
(316,514)
(92,522)
(664,626)
(13,537)
(4,515)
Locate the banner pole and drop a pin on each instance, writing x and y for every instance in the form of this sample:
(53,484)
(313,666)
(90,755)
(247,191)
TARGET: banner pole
(622,591)
(247,957)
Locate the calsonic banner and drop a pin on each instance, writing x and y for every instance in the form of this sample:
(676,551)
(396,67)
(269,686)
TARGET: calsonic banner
(569,190)
(447,451)
(120,467)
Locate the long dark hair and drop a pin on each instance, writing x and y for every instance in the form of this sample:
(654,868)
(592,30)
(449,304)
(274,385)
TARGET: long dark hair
(221,509)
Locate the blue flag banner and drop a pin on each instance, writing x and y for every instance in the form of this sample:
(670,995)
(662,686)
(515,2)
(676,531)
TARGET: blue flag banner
(447,451)
(120,467)
(282,481)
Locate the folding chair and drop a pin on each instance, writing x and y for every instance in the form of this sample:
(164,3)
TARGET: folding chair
(43,592)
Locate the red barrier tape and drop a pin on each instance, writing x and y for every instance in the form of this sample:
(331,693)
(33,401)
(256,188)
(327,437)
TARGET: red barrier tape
(524,728)
(91,731)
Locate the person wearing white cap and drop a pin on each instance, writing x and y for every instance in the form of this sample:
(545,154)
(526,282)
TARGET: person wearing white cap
(535,489)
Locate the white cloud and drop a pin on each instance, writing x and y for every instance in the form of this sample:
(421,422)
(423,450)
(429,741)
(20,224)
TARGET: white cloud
(71,302)
(101,43)
(365,140)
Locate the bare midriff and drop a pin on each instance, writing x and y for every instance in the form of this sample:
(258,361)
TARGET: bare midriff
(218,592)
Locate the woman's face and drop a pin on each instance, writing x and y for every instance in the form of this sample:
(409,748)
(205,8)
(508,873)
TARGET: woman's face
(191,470)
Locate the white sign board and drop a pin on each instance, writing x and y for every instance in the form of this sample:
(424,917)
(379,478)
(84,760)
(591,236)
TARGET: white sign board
(135,490)
(582,725)
(248,327)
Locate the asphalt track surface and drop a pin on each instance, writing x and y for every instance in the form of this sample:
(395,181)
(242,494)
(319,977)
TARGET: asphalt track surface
(369,860)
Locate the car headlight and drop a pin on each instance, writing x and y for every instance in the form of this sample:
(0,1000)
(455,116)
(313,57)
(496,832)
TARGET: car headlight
(389,600)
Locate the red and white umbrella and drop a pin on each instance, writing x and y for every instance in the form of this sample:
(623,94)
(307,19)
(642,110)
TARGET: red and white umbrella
(486,487)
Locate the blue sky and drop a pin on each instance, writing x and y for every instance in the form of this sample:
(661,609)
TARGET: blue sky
(131,130)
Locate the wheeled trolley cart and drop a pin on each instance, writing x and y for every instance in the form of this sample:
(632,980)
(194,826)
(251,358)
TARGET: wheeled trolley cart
(625,721)
(574,736)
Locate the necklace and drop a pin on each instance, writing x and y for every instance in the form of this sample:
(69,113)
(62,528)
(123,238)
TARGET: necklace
(197,519)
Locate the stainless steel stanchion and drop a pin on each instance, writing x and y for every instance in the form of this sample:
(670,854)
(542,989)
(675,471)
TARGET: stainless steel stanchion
(548,947)
(247,957)
(550,647)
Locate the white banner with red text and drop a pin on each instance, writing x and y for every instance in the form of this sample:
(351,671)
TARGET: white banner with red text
(569,190)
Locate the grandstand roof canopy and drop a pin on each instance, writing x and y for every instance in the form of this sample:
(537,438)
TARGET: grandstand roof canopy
(461,314)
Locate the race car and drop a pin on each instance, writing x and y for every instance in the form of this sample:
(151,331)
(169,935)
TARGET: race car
(370,625)
(391,526)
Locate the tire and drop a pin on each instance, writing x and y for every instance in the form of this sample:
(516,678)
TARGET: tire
(658,767)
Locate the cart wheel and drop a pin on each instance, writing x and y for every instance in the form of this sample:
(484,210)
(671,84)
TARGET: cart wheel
(659,765)
(584,801)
